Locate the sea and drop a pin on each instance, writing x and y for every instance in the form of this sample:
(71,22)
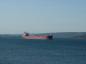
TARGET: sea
(56,51)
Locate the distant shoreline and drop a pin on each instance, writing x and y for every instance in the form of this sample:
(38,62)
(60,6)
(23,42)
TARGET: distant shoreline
(74,35)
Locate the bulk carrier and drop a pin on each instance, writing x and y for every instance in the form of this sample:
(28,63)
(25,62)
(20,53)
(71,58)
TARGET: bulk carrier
(28,36)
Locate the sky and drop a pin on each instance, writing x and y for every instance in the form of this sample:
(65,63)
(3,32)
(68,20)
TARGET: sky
(42,16)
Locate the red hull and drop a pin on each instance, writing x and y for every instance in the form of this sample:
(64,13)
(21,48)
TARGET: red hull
(35,37)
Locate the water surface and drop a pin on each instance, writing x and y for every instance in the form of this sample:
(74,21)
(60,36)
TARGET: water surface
(57,51)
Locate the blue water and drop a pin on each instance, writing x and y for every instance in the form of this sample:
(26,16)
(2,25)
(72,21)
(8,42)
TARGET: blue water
(57,51)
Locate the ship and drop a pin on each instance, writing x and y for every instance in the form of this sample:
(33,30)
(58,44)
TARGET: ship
(28,36)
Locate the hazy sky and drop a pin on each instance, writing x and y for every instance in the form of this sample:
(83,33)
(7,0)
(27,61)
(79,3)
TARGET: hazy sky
(37,16)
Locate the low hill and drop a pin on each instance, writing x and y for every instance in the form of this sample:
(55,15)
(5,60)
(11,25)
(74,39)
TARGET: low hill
(81,35)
